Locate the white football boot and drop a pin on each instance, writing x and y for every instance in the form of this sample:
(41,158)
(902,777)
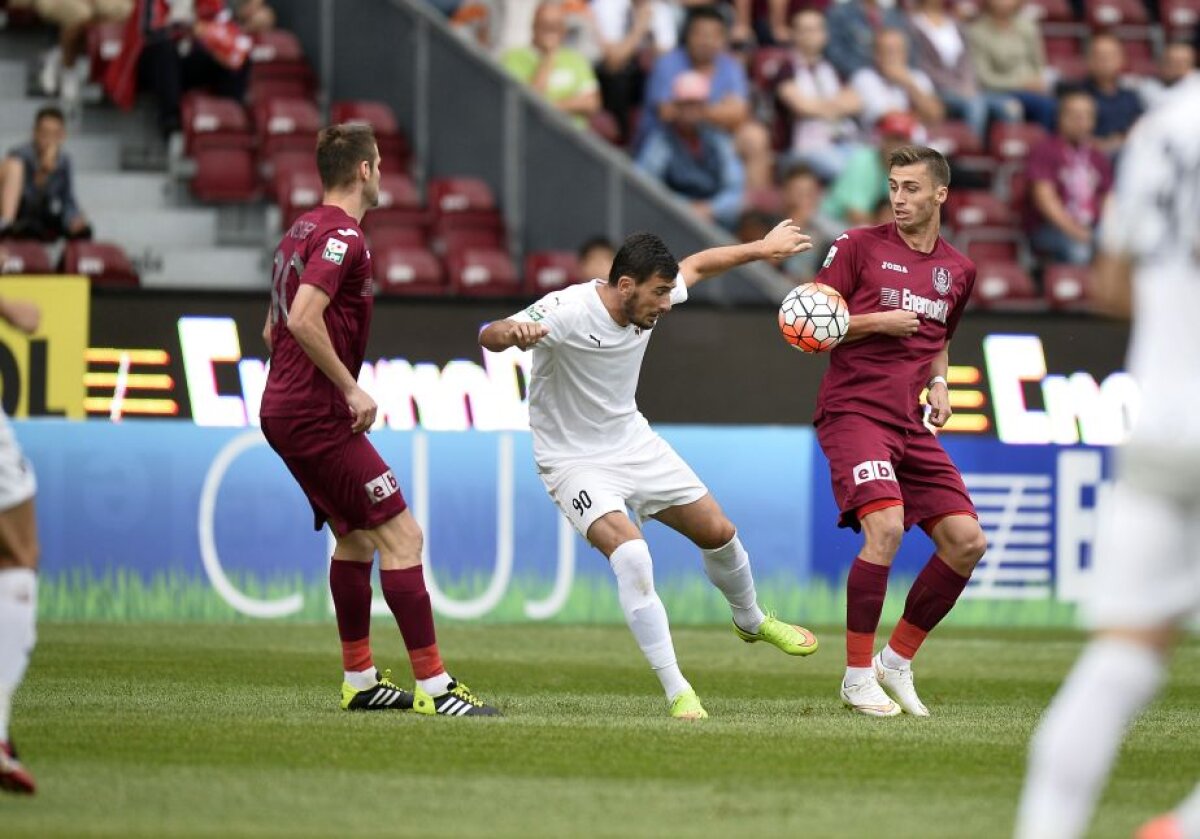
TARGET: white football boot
(867,697)
(898,683)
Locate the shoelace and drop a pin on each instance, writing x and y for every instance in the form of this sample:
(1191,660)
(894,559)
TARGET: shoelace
(464,693)
(386,680)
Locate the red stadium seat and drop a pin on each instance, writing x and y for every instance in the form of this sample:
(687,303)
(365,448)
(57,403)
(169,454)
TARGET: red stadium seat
(1005,286)
(547,271)
(1179,17)
(1050,11)
(297,190)
(286,125)
(992,244)
(412,225)
(1068,287)
(482,273)
(977,208)
(278,68)
(17,257)
(456,239)
(106,264)
(1107,14)
(399,204)
(104,43)
(1011,141)
(393,145)
(407,237)
(458,195)
(225,174)
(954,137)
(214,121)
(218,139)
(1065,54)
(1139,54)
(404,269)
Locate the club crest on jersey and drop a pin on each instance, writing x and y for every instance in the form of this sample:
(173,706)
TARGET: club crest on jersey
(382,487)
(942,280)
(335,251)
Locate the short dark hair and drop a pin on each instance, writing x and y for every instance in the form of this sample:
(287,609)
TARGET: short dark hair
(799,170)
(1070,91)
(340,148)
(699,13)
(592,244)
(933,159)
(643,256)
(49,112)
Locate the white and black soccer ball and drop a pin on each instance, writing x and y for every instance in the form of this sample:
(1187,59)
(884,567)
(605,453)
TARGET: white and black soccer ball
(814,318)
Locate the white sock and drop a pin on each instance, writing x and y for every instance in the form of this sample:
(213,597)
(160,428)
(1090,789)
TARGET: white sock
(728,567)
(361,679)
(1188,814)
(645,614)
(894,660)
(854,675)
(435,685)
(1074,747)
(18,633)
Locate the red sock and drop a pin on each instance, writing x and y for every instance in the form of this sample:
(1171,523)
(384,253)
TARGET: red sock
(932,596)
(406,595)
(350,583)
(866,587)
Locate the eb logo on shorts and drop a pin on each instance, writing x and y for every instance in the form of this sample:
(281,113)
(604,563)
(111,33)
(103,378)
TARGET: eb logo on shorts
(873,470)
(381,487)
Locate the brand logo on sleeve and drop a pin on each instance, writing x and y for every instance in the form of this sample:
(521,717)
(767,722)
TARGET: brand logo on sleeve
(335,251)
(829,256)
(382,487)
(873,470)
(347,232)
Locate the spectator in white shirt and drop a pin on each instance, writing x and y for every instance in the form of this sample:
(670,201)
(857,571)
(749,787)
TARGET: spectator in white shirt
(1177,63)
(890,85)
(632,35)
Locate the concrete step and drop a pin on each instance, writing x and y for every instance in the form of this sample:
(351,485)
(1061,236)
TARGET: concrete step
(16,114)
(12,79)
(207,269)
(135,228)
(99,191)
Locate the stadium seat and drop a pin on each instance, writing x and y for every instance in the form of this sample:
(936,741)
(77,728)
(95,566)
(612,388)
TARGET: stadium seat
(17,257)
(1067,287)
(455,239)
(104,43)
(297,189)
(278,68)
(407,237)
(393,145)
(286,124)
(1050,11)
(399,203)
(1011,141)
(992,244)
(481,272)
(410,226)
(106,264)
(1140,54)
(1179,17)
(218,139)
(977,208)
(1064,54)
(458,195)
(405,269)
(1005,286)
(1109,14)
(547,271)
(955,137)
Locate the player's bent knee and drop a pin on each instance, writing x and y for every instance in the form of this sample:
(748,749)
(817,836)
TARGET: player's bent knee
(717,535)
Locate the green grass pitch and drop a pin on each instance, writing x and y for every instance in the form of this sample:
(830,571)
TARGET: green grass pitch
(229,730)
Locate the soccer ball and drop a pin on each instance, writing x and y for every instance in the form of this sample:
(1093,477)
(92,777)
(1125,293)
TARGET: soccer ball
(814,318)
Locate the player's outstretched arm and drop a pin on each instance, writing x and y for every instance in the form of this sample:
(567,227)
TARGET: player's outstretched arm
(785,240)
(499,335)
(20,314)
(306,323)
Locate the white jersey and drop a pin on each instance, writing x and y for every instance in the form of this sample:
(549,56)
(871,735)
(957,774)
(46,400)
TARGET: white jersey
(585,375)
(1154,219)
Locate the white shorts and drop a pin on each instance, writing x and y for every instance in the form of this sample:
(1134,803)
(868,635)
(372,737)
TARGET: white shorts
(646,481)
(17,483)
(1147,557)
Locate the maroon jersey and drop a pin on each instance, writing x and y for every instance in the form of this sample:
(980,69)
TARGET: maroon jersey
(325,248)
(879,376)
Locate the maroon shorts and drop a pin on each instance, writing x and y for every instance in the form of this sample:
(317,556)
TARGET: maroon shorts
(871,461)
(345,479)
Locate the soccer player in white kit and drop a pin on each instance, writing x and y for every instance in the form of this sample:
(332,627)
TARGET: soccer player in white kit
(18,567)
(1147,573)
(598,456)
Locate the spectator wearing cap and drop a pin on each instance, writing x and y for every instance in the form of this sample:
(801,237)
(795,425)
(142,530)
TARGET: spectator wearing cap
(818,104)
(1117,107)
(1068,178)
(562,76)
(693,159)
(37,197)
(705,50)
(891,85)
(853,26)
(940,50)
(852,198)
(1008,57)
(1178,63)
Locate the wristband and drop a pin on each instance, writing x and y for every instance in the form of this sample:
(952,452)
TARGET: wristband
(937,380)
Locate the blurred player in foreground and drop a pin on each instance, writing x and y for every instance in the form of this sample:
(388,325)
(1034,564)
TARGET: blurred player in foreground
(906,288)
(18,567)
(315,416)
(598,456)
(1147,571)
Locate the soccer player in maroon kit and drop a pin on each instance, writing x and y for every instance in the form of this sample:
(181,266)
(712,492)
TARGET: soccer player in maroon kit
(315,416)
(906,289)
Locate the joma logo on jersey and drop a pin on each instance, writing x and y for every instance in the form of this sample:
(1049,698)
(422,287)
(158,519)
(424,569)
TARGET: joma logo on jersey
(873,470)
(382,487)
(894,266)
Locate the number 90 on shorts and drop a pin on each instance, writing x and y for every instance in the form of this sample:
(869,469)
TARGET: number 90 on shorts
(584,495)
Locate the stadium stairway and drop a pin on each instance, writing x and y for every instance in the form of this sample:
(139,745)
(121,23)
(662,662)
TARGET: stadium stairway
(122,184)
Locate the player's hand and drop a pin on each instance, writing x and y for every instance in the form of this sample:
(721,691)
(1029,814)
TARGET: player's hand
(362,408)
(524,335)
(899,323)
(938,400)
(785,240)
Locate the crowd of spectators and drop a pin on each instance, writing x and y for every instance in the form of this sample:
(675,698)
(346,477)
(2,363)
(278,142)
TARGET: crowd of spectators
(748,110)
